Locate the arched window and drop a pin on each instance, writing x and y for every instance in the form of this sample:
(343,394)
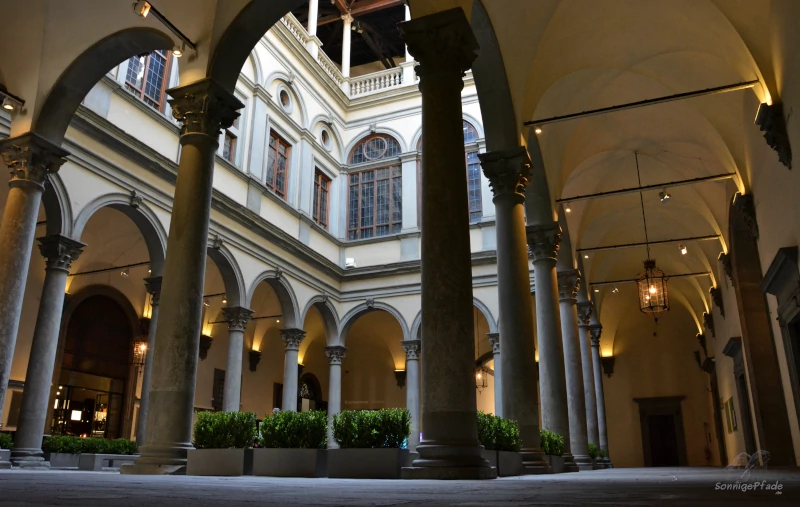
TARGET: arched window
(147,77)
(473,175)
(375,199)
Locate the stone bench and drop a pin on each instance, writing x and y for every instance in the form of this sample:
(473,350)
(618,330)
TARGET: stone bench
(97,462)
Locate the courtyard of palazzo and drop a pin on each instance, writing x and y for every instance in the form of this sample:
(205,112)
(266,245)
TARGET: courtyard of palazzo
(578,217)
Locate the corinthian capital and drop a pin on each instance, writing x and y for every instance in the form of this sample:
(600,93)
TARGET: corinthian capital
(336,353)
(508,172)
(596,331)
(494,341)
(60,251)
(292,337)
(544,241)
(204,107)
(31,157)
(584,312)
(412,348)
(443,43)
(237,317)
(568,283)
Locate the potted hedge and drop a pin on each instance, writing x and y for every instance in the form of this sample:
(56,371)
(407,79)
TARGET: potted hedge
(596,454)
(502,443)
(223,444)
(292,444)
(64,451)
(371,444)
(553,447)
(6,443)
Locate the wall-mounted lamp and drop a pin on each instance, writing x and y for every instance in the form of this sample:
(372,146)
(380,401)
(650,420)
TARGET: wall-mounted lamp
(255,357)
(400,376)
(10,101)
(607,363)
(205,344)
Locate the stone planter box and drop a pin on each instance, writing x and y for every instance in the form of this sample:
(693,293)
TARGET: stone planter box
(556,463)
(5,454)
(220,462)
(62,459)
(290,462)
(366,463)
(97,462)
(507,463)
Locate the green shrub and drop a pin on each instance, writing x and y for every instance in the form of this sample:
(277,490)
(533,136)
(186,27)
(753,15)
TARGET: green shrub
(366,429)
(64,444)
(224,430)
(6,442)
(94,445)
(496,433)
(592,451)
(552,443)
(601,452)
(122,446)
(295,430)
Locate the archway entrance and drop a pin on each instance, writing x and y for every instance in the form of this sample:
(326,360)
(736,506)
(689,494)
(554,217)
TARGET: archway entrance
(95,370)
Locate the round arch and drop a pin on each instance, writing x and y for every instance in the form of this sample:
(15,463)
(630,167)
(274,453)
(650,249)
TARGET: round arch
(139,212)
(231,274)
(278,282)
(285,80)
(329,317)
(351,316)
(57,207)
(477,303)
(322,119)
(368,132)
(86,71)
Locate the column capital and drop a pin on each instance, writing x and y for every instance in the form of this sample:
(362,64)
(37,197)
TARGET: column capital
(443,43)
(153,286)
(336,353)
(204,107)
(60,251)
(596,330)
(585,309)
(544,241)
(347,17)
(412,348)
(238,317)
(494,341)
(30,158)
(292,337)
(508,172)
(568,283)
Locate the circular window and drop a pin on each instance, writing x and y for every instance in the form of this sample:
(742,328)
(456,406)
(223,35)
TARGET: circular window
(325,138)
(285,100)
(375,148)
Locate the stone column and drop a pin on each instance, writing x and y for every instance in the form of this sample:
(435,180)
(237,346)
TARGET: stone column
(29,158)
(59,251)
(203,107)
(313,11)
(544,241)
(335,355)
(494,341)
(596,330)
(408,66)
(346,36)
(412,349)
(153,285)
(445,46)
(508,174)
(568,282)
(584,312)
(237,318)
(292,337)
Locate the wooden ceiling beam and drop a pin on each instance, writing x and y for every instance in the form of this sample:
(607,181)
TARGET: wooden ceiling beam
(361,7)
(341,5)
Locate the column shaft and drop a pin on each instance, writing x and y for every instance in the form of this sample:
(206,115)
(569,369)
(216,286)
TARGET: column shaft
(29,158)
(292,338)
(59,252)
(598,389)
(584,311)
(237,318)
(576,403)
(494,341)
(346,36)
(203,107)
(445,46)
(313,10)
(153,285)
(508,174)
(412,350)
(543,241)
(335,355)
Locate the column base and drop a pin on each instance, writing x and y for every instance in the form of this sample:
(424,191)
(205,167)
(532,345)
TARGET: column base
(159,460)
(584,462)
(569,463)
(28,458)
(607,463)
(534,462)
(449,460)
(450,473)
(5,465)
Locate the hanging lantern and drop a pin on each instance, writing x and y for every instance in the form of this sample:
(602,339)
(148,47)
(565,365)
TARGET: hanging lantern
(481,382)
(139,352)
(653,297)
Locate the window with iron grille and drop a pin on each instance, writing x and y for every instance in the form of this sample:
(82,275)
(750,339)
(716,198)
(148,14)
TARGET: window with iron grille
(147,77)
(322,185)
(473,176)
(278,165)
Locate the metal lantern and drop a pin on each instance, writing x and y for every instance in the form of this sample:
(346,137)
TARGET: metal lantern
(653,296)
(481,382)
(139,352)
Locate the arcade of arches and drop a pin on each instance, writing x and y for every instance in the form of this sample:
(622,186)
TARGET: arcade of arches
(260,223)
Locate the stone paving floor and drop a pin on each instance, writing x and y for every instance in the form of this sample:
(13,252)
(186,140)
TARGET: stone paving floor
(616,487)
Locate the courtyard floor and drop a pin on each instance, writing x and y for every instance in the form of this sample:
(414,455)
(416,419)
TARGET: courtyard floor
(623,487)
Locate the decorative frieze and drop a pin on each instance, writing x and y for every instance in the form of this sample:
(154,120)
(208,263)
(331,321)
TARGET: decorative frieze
(508,172)
(336,353)
(771,122)
(31,157)
(60,251)
(237,317)
(292,337)
(543,241)
(568,284)
(204,107)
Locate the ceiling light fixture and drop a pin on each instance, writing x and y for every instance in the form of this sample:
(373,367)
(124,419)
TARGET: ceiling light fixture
(663,195)
(597,290)
(585,256)
(537,129)
(125,273)
(224,300)
(615,290)
(178,50)
(683,249)
(8,104)
(567,208)
(142,8)
(205,302)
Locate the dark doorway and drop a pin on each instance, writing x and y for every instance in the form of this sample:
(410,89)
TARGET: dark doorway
(663,441)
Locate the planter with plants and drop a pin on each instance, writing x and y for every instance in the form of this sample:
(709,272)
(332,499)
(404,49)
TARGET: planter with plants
(371,444)
(6,443)
(87,453)
(501,441)
(223,444)
(292,444)
(597,460)
(553,447)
